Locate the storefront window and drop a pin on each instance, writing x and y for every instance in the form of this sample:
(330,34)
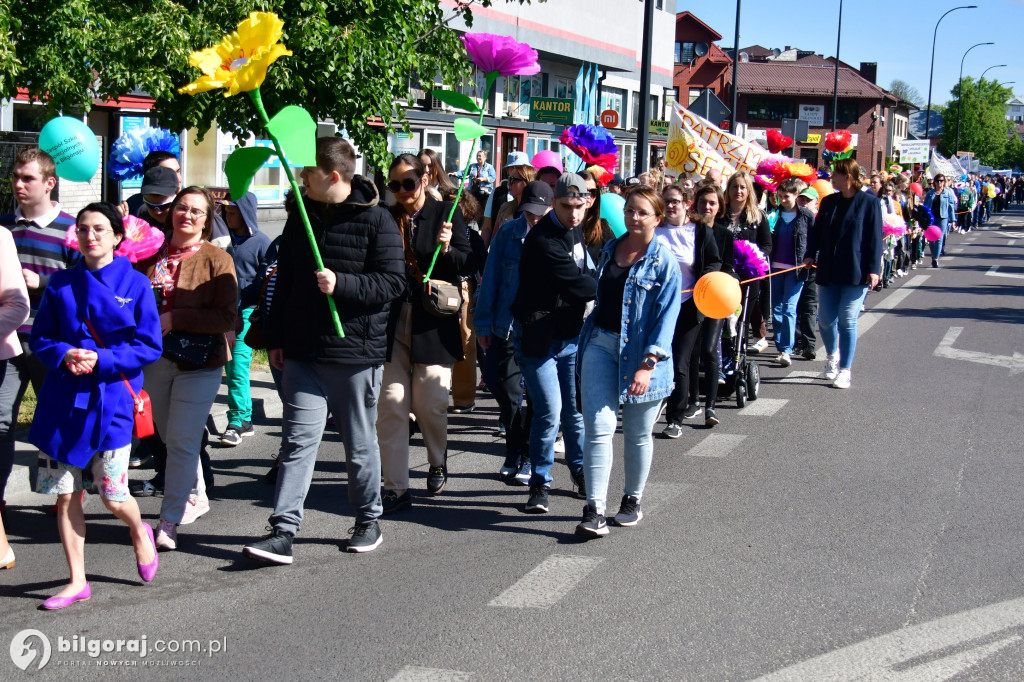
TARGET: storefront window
(770,108)
(519,90)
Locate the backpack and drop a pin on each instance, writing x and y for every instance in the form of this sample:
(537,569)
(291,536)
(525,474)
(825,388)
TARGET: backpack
(963,199)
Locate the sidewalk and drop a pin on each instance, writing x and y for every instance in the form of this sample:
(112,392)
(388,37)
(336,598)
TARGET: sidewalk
(266,405)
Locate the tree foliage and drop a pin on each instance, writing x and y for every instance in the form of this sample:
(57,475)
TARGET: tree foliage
(905,90)
(984,129)
(353,59)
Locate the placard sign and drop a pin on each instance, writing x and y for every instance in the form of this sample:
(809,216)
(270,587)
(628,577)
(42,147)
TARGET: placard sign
(814,114)
(914,151)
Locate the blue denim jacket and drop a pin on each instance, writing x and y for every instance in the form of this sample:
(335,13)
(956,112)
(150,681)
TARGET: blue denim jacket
(947,207)
(650,306)
(500,282)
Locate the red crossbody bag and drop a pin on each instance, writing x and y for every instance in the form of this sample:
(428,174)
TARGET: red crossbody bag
(143,409)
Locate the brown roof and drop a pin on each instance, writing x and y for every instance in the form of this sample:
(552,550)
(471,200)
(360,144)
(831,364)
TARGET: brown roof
(757,51)
(716,55)
(689,15)
(794,78)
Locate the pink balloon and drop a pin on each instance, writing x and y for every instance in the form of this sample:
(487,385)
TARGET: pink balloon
(545,158)
(933,233)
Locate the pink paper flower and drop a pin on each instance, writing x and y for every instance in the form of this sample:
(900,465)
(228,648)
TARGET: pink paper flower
(502,54)
(141,240)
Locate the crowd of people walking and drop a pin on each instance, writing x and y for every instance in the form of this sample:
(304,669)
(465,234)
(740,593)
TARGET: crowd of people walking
(570,324)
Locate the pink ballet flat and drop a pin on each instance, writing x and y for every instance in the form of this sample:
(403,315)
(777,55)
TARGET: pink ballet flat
(148,571)
(54,603)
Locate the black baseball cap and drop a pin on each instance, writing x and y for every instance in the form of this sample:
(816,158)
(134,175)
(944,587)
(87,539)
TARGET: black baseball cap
(536,198)
(616,180)
(160,180)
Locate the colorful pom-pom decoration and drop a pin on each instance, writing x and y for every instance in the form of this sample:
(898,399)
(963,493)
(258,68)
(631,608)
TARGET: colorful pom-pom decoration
(141,240)
(595,145)
(748,260)
(130,150)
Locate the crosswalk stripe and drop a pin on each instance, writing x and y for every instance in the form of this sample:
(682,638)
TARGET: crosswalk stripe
(546,584)
(412,673)
(801,376)
(716,445)
(763,407)
(869,319)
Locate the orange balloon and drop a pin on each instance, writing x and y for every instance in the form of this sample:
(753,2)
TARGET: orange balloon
(822,187)
(717,295)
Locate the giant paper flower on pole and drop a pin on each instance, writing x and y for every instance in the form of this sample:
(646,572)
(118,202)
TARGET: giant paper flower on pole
(496,56)
(239,62)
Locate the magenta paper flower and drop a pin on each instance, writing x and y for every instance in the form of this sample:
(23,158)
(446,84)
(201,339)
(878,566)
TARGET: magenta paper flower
(501,54)
(141,240)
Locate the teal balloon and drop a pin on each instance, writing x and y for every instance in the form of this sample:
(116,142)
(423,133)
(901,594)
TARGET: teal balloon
(613,209)
(73,147)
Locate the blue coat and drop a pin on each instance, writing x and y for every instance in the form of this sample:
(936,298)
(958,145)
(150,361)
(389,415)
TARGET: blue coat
(493,314)
(77,416)
(650,305)
(947,207)
(847,255)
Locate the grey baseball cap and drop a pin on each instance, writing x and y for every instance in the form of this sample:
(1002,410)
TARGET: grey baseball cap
(571,186)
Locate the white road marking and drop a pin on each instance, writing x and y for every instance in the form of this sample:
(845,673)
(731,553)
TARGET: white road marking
(1011,242)
(914,654)
(1014,363)
(716,445)
(763,407)
(869,319)
(802,377)
(1015,235)
(956,250)
(994,272)
(655,495)
(413,673)
(545,585)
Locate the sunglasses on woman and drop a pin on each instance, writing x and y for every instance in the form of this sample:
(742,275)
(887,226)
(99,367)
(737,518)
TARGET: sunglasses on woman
(408,184)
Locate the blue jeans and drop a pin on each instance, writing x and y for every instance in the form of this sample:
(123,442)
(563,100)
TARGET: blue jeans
(936,246)
(600,391)
(551,385)
(838,308)
(785,295)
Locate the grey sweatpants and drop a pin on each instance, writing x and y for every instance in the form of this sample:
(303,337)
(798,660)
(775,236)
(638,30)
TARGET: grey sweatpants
(350,392)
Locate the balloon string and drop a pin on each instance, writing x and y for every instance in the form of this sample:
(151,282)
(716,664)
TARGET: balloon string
(754,279)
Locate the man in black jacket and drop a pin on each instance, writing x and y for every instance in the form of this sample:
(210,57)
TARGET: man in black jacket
(555,285)
(363,272)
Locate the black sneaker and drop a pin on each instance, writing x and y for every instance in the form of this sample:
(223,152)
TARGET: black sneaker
(436,478)
(246,430)
(710,418)
(152,488)
(593,524)
(691,411)
(274,548)
(456,409)
(673,430)
(579,482)
(629,512)
(538,502)
(392,501)
(366,537)
(808,353)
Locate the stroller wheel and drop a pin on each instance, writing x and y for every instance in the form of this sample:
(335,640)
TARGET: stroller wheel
(753,379)
(741,394)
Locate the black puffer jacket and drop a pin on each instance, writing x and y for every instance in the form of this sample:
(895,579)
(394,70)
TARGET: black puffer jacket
(359,241)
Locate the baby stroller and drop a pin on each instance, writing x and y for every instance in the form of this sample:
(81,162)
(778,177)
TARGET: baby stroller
(742,375)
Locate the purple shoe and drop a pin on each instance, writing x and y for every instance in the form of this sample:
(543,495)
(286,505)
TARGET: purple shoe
(54,603)
(148,571)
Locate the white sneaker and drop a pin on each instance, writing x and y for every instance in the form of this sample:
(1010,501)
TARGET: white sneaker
(783,360)
(842,379)
(831,367)
(560,446)
(166,536)
(196,506)
(761,344)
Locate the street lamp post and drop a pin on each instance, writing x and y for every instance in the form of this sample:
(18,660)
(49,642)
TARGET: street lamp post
(931,71)
(960,94)
(735,72)
(835,85)
(997,66)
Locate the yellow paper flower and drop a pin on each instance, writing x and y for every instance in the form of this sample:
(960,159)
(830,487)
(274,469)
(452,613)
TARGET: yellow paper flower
(239,62)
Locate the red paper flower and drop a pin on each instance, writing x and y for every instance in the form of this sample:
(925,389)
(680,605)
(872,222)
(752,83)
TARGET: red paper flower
(501,54)
(837,141)
(777,141)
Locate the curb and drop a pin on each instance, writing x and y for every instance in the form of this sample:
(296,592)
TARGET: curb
(266,406)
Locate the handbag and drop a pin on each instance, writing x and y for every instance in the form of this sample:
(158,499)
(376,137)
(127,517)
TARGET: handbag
(439,298)
(143,412)
(189,351)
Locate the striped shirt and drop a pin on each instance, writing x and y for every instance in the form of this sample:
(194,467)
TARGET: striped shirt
(42,250)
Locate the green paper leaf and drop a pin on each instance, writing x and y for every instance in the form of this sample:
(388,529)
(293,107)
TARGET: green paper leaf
(457,100)
(242,165)
(467,129)
(295,129)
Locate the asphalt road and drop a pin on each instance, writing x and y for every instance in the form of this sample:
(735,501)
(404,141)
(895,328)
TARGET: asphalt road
(874,533)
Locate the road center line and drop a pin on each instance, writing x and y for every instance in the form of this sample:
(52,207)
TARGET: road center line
(870,319)
(412,673)
(994,272)
(546,584)
(716,445)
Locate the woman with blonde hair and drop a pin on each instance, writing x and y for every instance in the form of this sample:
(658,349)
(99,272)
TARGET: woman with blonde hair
(518,178)
(747,221)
